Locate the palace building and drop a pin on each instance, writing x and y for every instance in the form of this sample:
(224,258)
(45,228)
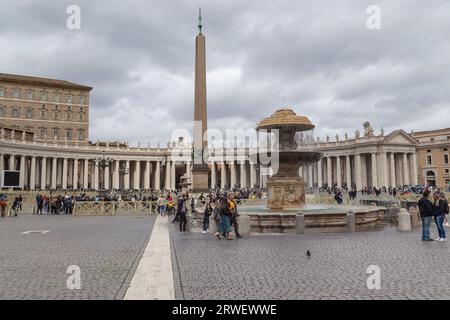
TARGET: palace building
(53,109)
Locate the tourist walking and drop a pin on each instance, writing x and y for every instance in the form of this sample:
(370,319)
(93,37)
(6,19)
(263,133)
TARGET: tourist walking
(440,210)
(181,212)
(207,214)
(3,204)
(426,210)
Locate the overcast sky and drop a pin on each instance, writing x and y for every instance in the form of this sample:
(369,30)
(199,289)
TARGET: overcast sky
(317,57)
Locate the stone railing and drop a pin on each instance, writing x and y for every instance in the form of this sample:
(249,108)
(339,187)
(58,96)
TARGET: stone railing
(106,208)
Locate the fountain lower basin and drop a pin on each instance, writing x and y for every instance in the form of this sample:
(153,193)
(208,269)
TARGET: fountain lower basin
(318,218)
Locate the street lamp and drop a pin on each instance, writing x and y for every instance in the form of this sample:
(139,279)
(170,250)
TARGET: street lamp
(103,162)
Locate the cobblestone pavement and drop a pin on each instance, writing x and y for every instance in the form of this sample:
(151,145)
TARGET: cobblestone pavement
(107,250)
(276,266)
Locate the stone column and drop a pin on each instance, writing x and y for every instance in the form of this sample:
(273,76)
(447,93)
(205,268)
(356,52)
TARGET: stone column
(54,168)
(243,175)
(173,176)
(126,176)
(22,172)
(348,171)
(393,180)
(384,170)
(413,166)
(406,179)
(106,177)
(213,175)
(43,173)
(64,174)
(311,179)
(147,175)
(96,176)
(319,174)
(167,176)
(2,164)
(86,174)
(252,175)
(137,175)
(374,170)
(232,175)
(329,172)
(339,172)
(12,162)
(158,176)
(75,174)
(116,177)
(33,174)
(358,173)
(223,175)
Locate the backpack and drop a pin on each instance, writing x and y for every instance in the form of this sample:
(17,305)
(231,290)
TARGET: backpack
(446,208)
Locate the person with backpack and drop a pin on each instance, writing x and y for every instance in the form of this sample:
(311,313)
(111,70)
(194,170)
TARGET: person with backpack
(440,210)
(426,210)
(225,219)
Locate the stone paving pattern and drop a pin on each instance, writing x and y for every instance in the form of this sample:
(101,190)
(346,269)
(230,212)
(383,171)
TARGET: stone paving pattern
(107,249)
(276,266)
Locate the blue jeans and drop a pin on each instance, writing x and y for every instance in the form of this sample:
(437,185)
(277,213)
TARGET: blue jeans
(205,223)
(426,221)
(440,225)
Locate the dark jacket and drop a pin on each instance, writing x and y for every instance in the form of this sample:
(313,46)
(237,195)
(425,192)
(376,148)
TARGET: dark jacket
(440,208)
(426,208)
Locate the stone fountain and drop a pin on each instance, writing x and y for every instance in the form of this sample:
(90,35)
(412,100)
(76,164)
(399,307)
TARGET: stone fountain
(286,189)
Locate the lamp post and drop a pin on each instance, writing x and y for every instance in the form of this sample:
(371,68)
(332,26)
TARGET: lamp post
(103,162)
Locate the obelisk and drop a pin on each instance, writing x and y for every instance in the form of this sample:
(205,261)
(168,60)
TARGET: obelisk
(200,167)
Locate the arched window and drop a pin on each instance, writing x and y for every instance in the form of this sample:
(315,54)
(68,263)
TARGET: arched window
(15,112)
(2,92)
(2,111)
(29,114)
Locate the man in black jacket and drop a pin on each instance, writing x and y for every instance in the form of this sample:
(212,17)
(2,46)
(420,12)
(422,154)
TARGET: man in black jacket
(426,214)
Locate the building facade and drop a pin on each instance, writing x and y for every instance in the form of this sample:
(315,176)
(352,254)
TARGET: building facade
(53,109)
(433,157)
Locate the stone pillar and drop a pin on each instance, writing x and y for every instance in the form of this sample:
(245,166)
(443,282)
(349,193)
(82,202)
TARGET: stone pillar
(300,223)
(404,220)
(358,173)
(213,175)
(252,175)
(43,173)
(393,180)
(348,171)
(374,170)
(116,177)
(106,177)
(167,178)
(173,176)
(54,168)
(75,174)
(413,167)
(384,170)
(22,172)
(310,178)
(232,175)
(126,176)
(406,179)
(243,175)
(329,171)
(158,176)
(147,175)
(339,171)
(12,162)
(33,174)
(2,164)
(319,174)
(86,174)
(223,175)
(96,176)
(137,175)
(64,174)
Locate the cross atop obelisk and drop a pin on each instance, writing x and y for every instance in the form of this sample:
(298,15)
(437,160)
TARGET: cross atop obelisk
(200,168)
